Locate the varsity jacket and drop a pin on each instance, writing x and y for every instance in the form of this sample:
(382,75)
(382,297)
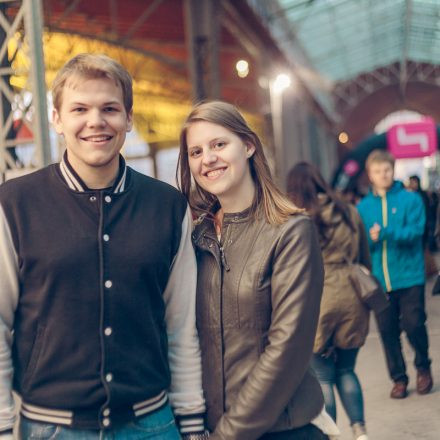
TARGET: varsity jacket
(97,288)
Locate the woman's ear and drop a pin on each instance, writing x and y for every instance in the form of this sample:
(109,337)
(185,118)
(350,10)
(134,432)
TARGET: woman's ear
(250,150)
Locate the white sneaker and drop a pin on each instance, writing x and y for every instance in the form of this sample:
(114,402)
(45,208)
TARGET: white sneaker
(359,431)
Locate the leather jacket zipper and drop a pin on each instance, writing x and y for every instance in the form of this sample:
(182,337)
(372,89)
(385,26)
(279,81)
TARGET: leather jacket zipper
(216,243)
(223,259)
(223,265)
(222,242)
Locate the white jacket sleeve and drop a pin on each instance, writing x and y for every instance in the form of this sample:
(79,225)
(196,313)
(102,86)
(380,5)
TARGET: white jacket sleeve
(185,394)
(8,304)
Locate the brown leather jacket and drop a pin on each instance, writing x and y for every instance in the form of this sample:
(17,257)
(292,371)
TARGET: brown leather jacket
(258,299)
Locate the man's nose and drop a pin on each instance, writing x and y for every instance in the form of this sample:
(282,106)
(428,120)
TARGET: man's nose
(95,119)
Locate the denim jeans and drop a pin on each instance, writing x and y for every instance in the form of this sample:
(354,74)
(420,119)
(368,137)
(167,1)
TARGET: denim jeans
(338,370)
(406,312)
(308,432)
(158,425)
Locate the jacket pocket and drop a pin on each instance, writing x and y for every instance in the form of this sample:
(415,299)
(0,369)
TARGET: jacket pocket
(34,357)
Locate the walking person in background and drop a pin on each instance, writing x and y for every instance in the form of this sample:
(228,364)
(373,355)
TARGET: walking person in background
(436,287)
(430,215)
(97,311)
(395,221)
(259,286)
(343,320)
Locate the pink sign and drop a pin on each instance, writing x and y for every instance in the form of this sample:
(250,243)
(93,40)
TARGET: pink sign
(415,139)
(351,167)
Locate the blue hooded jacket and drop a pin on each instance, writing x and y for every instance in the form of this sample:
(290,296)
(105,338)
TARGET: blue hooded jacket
(397,256)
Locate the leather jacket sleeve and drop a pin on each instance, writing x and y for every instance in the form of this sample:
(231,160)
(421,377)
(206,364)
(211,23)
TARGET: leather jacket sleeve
(296,285)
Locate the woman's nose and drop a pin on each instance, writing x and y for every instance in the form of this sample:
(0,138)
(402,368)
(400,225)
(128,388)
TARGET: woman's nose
(209,156)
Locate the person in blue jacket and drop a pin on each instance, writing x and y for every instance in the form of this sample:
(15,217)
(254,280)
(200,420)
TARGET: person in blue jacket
(395,219)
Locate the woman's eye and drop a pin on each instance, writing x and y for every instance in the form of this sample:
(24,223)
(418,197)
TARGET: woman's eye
(110,109)
(220,144)
(79,109)
(194,152)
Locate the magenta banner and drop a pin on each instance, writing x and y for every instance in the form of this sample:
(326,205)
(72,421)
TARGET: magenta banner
(414,139)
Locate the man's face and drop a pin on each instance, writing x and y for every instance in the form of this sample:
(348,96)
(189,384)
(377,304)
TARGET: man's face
(381,175)
(414,185)
(93,120)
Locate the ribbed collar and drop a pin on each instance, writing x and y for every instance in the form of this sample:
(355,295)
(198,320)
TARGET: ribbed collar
(396,187)
(75,183)
(239,217)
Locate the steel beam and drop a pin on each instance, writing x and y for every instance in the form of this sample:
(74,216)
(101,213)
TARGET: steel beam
(202,35)
(33,19)
(25,31)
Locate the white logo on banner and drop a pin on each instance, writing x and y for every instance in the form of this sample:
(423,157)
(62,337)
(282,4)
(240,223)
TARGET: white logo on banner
(405,138)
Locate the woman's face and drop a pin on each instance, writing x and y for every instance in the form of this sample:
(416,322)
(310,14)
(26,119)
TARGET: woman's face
(219,162)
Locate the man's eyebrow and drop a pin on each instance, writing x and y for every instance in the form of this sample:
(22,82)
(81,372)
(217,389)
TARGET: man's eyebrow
(105,103)
(112,103)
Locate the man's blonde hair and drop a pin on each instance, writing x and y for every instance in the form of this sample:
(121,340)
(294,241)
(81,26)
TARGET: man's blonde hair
(379,156)
(92,66)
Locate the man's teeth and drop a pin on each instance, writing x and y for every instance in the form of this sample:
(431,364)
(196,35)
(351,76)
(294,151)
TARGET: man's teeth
(98,138)
(215,173)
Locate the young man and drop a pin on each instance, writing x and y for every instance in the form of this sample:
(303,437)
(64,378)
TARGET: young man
(97,281)
(395,220)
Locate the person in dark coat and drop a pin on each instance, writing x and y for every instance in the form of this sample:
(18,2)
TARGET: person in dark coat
(343,320)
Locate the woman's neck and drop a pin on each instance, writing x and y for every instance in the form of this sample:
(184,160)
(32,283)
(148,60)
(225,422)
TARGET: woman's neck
(240,199)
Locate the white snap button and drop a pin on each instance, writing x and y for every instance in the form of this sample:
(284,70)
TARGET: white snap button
(92,198)
(106,421)
(108,199)
(108,284)
(106,412)
(106,237)
(109,377)
(108,331)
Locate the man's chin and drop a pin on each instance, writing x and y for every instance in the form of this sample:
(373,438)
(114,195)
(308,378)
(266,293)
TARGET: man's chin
(102,162)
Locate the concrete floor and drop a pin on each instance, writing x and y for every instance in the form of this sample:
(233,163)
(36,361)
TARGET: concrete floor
(416,417)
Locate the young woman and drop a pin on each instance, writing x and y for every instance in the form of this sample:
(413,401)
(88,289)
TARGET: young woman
(343,320)
(259,285)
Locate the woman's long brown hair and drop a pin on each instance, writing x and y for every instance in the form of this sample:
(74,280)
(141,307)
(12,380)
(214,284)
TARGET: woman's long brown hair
(304,184)
(269,200)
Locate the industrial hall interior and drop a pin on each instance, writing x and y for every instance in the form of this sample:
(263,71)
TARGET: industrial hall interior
(333,89)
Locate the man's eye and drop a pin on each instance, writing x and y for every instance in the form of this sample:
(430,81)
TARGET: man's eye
(79,109)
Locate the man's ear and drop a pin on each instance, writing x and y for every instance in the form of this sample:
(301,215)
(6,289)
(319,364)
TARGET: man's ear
(56,121)
(130,120)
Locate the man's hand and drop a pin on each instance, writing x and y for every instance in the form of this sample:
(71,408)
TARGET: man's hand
(374,232)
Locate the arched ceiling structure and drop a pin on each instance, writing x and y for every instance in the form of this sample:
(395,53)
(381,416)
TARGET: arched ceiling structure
(150,37)
(365,56)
